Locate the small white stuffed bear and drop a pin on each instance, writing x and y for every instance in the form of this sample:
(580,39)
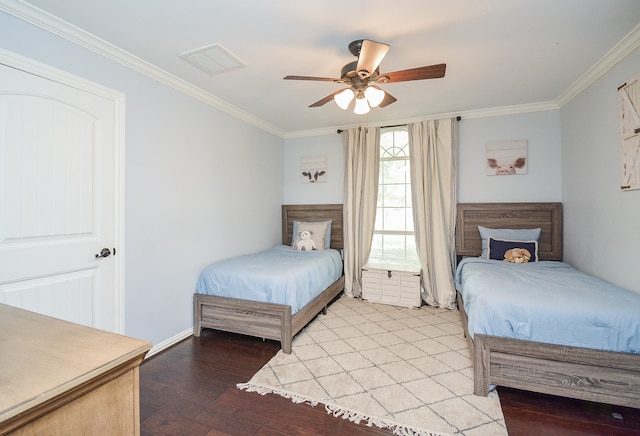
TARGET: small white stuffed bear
(305,243)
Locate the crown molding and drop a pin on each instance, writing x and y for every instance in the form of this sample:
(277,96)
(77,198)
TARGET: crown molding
(465,115)
(510,110)
(620,51)
(68,31)
(54,25)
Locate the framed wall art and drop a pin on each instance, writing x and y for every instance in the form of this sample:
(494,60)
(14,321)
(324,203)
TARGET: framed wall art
(628,102)
(506,158)
(313,169)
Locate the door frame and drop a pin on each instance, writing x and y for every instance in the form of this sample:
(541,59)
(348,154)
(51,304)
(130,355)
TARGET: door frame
(30,66)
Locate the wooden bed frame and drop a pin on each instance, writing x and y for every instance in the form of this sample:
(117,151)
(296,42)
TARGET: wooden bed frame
(269,320)
(583,373)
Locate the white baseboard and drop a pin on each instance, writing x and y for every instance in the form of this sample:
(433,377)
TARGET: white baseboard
(169,342)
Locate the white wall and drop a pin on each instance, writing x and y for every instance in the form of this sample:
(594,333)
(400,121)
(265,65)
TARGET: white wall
(183,156)
(602,223)
(543,179)
(207,188)
(541,183)
(574,157)
(200,186)
(331,192)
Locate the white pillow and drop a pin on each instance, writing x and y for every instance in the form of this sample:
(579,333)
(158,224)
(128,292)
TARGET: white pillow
(318,233)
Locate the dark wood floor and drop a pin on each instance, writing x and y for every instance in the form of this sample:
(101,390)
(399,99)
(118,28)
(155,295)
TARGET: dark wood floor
(190,389)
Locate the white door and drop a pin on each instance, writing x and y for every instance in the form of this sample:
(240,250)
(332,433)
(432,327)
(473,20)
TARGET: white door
(57,200)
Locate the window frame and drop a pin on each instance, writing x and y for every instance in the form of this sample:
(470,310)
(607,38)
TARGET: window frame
(388,154)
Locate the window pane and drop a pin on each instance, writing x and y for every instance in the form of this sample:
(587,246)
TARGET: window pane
(394,239)
(397,247)
(394,219)
(394,171)
(410,221)
(394,195)
(412,252)
(401,136)
(386,141)
(394,142)
(394,246)
(379,215)
(376,247)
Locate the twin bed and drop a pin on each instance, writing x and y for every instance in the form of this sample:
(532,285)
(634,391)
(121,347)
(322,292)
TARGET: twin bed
(275,293)
(529,326)
(544,326)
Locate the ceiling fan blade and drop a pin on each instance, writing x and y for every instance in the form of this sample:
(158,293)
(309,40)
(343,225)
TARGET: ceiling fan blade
(420,73)
(371,54)
(388,99)
(327,99)
(321,79)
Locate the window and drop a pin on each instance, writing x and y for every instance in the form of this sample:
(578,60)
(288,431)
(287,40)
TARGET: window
(393,237)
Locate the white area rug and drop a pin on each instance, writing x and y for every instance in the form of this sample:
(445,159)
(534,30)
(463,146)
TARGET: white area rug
(408,370)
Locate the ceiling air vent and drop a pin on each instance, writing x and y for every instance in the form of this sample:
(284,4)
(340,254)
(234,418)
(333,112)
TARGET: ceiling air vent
(212,59)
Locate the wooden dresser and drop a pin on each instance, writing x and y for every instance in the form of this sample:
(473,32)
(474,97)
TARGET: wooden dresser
(60,378)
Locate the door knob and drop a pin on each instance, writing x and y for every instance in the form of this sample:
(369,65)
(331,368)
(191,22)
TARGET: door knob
(104,253)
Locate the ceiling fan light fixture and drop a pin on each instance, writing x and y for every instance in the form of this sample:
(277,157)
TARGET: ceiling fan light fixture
(374,96)
(363,75)
(343,98)
(362,107)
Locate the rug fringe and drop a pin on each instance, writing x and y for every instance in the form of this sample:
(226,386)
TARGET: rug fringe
(264,390)
(341,412)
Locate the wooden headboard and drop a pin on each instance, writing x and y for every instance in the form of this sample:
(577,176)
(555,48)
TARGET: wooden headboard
(547,216)
(309,213)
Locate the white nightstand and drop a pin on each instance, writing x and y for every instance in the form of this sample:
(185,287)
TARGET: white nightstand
(386,283)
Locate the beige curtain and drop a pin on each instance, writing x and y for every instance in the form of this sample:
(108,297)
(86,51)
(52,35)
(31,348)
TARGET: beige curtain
(362,156)
(434,172)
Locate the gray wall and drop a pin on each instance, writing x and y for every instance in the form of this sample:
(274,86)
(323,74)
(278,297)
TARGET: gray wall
(541,183)
(602,223)
(296,192)
(182,156)
(574,157)
(543,178)
(181,159)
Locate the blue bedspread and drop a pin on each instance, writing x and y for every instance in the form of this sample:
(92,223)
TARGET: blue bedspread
(548,302)
(278,275)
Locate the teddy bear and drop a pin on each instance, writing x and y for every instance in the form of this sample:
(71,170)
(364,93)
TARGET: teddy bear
(305,243)
(517,255)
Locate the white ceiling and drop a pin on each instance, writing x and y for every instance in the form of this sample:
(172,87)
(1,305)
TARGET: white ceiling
(498,52)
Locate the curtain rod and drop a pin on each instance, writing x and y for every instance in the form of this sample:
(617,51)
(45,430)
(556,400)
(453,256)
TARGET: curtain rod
(458,118)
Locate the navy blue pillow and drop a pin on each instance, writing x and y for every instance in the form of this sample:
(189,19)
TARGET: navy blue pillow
(498,247)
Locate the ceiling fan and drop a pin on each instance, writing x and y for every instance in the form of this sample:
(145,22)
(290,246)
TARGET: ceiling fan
(363,77)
